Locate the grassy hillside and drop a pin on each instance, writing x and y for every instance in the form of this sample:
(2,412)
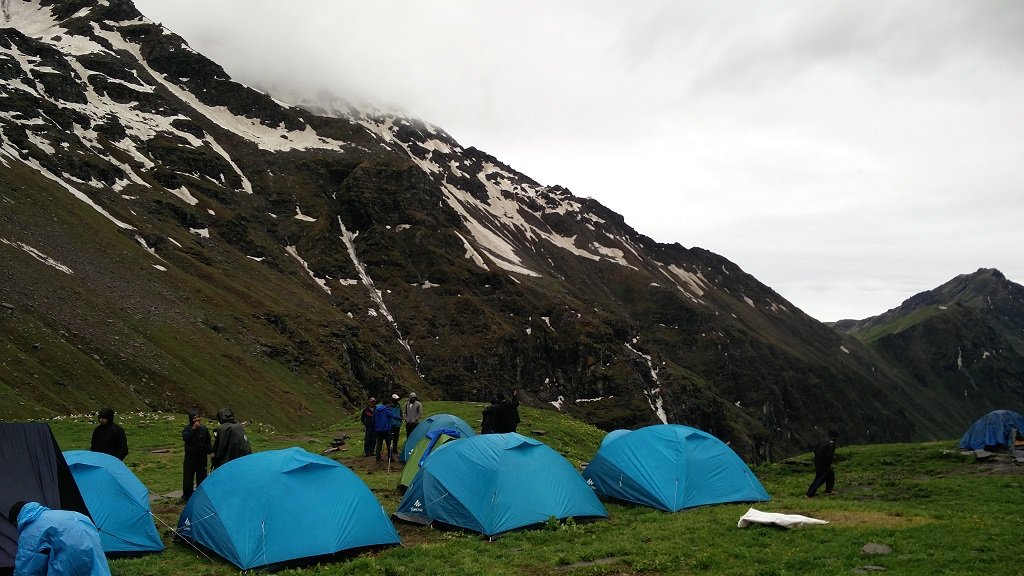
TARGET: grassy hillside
(941,512)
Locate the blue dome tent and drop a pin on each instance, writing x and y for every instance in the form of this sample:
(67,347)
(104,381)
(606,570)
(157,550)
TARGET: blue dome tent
(117,501)
(276,507)
(431,423)
(672,467)
(493,483)
(992,430)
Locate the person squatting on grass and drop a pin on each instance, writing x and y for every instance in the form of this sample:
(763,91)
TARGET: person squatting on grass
(824,457)
(197,448)
(56,542)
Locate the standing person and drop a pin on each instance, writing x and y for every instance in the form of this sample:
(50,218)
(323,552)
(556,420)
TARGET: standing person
(369,434)
(197,448)
(489,416)
(230,440)
(824,457)
(108,437)
(382,429)
(396,422)
(412,413)
(505,414)
(56,542)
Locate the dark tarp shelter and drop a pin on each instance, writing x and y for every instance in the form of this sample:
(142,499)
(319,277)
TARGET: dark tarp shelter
(993,430)
(32,468)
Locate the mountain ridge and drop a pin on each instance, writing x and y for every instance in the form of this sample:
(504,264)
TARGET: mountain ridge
(226,248)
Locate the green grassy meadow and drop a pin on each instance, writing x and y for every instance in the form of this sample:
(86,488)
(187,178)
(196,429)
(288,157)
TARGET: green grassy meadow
(940,511)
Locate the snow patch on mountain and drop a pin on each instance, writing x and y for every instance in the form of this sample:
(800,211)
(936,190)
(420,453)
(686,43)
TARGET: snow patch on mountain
(37,255)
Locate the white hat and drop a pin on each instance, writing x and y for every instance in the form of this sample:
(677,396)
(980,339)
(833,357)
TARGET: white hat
(394,396)
(413,395)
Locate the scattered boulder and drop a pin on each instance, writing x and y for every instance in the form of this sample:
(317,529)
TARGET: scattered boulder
(873,548)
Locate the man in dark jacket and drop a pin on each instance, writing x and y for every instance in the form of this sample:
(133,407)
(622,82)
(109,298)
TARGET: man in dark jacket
(824,457)
(108,437)
(369,434)
(230,441)
(506,414)
(197,447)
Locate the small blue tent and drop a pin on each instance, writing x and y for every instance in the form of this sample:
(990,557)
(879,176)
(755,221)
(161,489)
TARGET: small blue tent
(672,467)
(431,423)
(992,430)
(493,483)
(117,501)
(271,508)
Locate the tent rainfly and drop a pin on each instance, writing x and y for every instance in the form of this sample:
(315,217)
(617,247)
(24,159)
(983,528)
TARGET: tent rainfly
(671,467)
(280,507)
(118,502)
(428,425)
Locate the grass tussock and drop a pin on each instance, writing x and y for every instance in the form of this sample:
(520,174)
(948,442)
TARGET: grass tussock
(941,512)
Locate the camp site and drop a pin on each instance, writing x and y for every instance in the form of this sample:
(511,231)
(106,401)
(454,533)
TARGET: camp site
(928,508)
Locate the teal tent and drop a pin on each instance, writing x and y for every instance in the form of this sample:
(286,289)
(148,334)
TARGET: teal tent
(428,425)
(281,507)
(434,440)
(493,483)
(117,501)
(672,467)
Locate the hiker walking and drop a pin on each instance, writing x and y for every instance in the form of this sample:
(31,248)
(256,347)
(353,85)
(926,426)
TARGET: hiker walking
(411,414)
(230,440)
(824,457)
(369,433)
(196,437)
(108,437)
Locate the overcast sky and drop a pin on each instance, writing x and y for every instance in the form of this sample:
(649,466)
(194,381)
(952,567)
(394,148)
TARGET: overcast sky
(847,154)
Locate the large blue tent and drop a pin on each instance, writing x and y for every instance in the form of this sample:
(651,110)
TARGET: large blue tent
(431,423)
(118,502)
(672,467)
(280,506)
(992,430)
(493,483)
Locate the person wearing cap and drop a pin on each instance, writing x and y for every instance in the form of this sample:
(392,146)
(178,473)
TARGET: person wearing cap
(108,437)
(230,440)
(369,433)
(396,422)
(412,413)
(197,447)
(56,542)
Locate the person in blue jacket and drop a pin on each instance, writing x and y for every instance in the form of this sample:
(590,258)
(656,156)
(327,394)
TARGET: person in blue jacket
(56,542)
(383,421)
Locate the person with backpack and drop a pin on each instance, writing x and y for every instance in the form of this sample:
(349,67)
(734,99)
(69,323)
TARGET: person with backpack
(230,440)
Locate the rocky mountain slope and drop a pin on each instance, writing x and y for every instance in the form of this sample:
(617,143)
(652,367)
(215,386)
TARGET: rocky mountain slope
(171,239)
(962,342)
